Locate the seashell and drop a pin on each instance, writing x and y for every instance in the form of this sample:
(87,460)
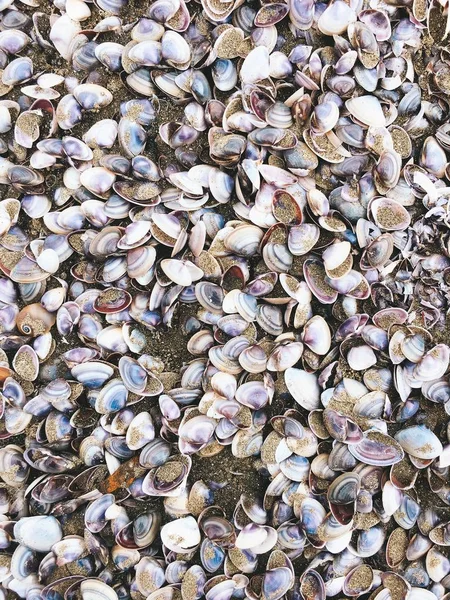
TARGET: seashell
(38,533)
(436,391)
(155,453)
(259,56)
(50,80)
(358,580)
(92,374)
(175,50)
(312,584)
(315,277)
(26,363)
(77,10)
(182,535)
(419,441)
(23,562)
(21,176)
(284,357)
(325,117)
(377,22)
(361,357)
(26,130)
(377,448)
(149,575)
(112,397)
(253,394)
(97,180)
(182,273)
(102,134)
(110,55)
(336,18)
(303,387)
(370,541)
(344,489)
(433,364)
(17,71)
(13,41)
(367,110)
(48,260)
(316,335)
(433,157)
(91,96)
(270,15)
(427,595)
(94,589)
(275,583)
(253,359)
(437,564)
(146,53)
(62,32)
(140,431)
(387,171)
(35,320)
(15,470)
(302,238)
(112,300)
(68,112)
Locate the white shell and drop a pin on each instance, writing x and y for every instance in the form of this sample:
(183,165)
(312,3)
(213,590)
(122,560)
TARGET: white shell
(335,255)
(181,535)
(256,65)
(140,432)
(48,260)
(416,593)
(444,458)
(62,33)
(367,110)
(5,119)
(257,538)
(336,18)
(419,441)
(102,134)
(95,589)
(77,10)
(97,180)
(181,272)
(49,80)
(38,533)
(303,387)
(361,358)
(317,335)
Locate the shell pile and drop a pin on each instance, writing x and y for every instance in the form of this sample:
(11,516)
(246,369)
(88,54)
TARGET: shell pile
(224,287)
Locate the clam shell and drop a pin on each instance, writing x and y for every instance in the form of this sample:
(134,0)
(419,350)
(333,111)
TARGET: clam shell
(258,57)
(367,110)
(38,533)
(419,441)
(182,535)
(377,449)
(95,589)
(389,215)
(303,387)
(336,18)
